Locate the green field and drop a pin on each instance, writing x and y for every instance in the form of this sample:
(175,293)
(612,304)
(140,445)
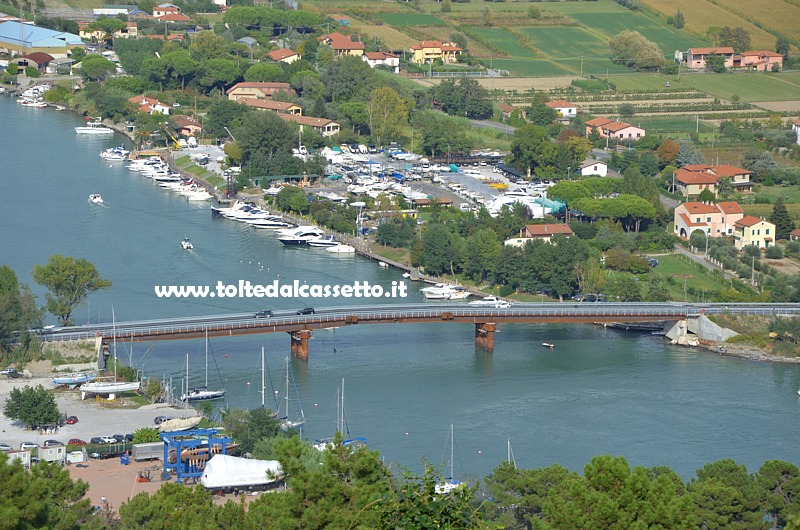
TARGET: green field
(569,47)
(683,124)
(504,40)
(654,82)
(667,38)
(681,269)
(748,86)
(410,19)
(530,67)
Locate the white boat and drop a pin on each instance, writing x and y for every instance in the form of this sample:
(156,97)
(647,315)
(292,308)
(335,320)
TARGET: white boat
(186,244)
(201,393)
(450,483)
(323,241)
(73,380)
(286,422)
(275,221)
(445,291)
(548,345)
(341,249)
(180,424)
(96,198)
(109,388)
(94,127)
(301,236)
(383,264)
(486,301)
(459,293)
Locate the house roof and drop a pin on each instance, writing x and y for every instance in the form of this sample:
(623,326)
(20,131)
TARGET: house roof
(308,120)
(548,230)
(433,44)
(700,207)
(505,107)
(379,56)
(688,222)
(729,171)
(342,42)
(761,53)
(167,7)
(182,120)
(795,232)
(142,99)
(269,104)
(730,207)
(697,167)
(38,57)
(748,220)
(174,17)
(616,126)
(598,122)
(559,104)
(591,162)
(281,54)
(689,177)
(31,36)
(719,50)
(262,85)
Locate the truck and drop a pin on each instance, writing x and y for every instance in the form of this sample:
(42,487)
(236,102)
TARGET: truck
(231,474)
(148,451)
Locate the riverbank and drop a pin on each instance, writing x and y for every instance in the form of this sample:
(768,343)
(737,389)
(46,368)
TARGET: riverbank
(748,352)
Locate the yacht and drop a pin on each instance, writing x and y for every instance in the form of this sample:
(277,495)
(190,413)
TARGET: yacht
(274,221)
(301,236)
(94,127)
(341,249)
(96,198)
(486,301)
(323,241)
(115,153)
(186,244)
(445,291)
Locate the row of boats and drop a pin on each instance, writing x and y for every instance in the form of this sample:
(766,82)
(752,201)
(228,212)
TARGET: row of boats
(156,169)
(287,234)
(449,291)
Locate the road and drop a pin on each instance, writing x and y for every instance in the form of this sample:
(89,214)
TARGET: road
(699,259)
(489,124)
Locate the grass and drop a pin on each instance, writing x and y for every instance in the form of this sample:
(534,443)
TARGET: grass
(748,86)
(654,82)
(531,67)
(391,38)
(683,124)
(411,19)
(504,40)
(765,210)
(694,275)
(790,193)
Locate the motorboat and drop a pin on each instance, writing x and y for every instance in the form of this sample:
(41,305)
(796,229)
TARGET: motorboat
(186,244)
(323,241)
(96,198)
(341,249)
(94,127)
(383,264)
(301,236)
(486,301)
(180,424)
(548,345)
(73,379)
(459,293)
(275,221)
(445,291)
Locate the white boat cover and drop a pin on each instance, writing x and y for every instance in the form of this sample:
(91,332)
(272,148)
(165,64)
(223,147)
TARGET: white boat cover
(225,471)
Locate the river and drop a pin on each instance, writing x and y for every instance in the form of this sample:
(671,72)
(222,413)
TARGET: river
(599,391)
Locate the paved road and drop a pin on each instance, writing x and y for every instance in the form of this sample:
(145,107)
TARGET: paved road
(489,124)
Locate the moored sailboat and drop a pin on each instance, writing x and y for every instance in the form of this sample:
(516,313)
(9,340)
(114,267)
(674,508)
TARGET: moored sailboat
(201,393)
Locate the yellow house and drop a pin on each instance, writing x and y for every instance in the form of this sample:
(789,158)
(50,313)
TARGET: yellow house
(257,90)
(690,184)
(428,51)
(751,230)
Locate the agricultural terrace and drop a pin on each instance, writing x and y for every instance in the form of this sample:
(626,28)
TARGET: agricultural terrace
(748,86)
(391,38)
(703,14)
(410,19)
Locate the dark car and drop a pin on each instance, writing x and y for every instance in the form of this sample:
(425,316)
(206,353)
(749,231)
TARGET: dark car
(72,420)
(119,438)
(265,313)
(129,438)
(10,372)
(76,441)
(306,311)
(51,443)
(97,440)
(159,420)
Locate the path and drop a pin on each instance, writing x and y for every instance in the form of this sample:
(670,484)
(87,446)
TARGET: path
(699,259)
(489,124)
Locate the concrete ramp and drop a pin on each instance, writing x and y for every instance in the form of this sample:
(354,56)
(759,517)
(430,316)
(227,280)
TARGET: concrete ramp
(696,329)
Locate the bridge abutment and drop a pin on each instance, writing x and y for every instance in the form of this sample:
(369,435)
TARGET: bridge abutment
(299,344)
(484,335)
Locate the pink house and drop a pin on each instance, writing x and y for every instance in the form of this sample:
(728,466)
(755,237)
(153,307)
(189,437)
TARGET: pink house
(715,220)
(607,128)
(696,57)
(761,61)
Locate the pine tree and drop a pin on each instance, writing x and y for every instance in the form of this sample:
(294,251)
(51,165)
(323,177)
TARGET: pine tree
(781,219)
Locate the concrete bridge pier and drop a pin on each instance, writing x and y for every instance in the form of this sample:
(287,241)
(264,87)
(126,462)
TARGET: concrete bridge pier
(484,335)
(299,344)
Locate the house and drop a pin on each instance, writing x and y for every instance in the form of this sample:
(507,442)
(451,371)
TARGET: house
(281,107)
(621,131)
(691,183)
(258,90)
(343,45)
(430,203)
(595,125)
(696,57)
(715,220)
(740,178)
(753,231)
(565,109)
(544,233)
(761,61)
(17,38)
(429,51)
(284,55)
(692,186)
(174,17)
(150,105)
(388,60)
(62,65)
(38,60)
(129,32)
(796,129)
(113,11)
(590,167)
(186,125)
(507,110)
(323,126)
(794,235)
(165,9)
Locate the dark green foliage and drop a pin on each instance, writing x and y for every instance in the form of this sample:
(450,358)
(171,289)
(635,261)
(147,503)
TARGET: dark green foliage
(397,232)
(248,427)
(465,97)
(781,219)
(441,249)
(69,282)
(715,63)
(773,252)
(738,38)
(442,134)
(291,199)
(18,311)
(32,406)
(541,114)
(146,435)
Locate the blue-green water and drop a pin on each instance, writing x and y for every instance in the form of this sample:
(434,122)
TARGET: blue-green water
(599,391)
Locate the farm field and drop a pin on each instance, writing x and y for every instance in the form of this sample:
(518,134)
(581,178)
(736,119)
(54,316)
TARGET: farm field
(702,14)
(410,19)
(391,38)
(654,82)
(504,40)
(571,46)
(667,38)
(671,125)
(749,87)
(531,67)
(682,270)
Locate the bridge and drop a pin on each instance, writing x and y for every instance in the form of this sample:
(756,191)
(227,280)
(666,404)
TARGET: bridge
(485,320)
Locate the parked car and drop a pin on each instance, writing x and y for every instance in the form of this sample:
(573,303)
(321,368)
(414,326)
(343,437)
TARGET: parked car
(10,372)
(129,438)
(108,439)
(161,419)
(306,311)
(27,445)
(119,438)
(5,447)
(97,440)
(264,313)
(76,441)
(72,420)
(51,443)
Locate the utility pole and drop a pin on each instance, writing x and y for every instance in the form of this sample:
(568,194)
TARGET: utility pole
(582,66)
(697,128)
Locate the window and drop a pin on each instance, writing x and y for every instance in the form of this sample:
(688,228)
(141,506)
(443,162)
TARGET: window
(708,219)
(766,232)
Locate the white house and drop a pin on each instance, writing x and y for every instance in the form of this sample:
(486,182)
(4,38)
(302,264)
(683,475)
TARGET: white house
(565,109)
(796,129)
(150,105)
(592,167)
(374,59)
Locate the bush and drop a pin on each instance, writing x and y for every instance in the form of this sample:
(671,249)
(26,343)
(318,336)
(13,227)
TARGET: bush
(31,71)
(752,251)
(793,247)
(774,252)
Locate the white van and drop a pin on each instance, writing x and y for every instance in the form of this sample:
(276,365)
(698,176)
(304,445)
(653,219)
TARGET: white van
(192,141)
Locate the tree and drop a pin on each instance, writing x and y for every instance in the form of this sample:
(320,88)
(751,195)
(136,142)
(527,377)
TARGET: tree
(465,97)
(265,72)
(759,162)
(626,110)
(488,17)
(623,288)
(725,496)
(667,153)
(528,148)
(782,46)
(224,113)
(441,133)
(688,154)
(109,26)
(634,50)
(779,482)
(738,38)
(387,113)
(706,196)
(249,427)
(447,6)
(181,65)
(96,67)
(18,311)
(781,219)
(12,69)
(678,20)
(541,114)
(219,73)
(206,46)
(263,135)
(657,290)
(69,281)
(291,199)
(34,407)
(481,252)
(440,250)
(715,63)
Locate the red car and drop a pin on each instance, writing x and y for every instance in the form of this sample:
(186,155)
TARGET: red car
(72,420)
(76,441)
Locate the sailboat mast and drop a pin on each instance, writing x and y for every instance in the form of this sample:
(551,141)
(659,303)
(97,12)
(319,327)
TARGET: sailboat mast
(206,357)
(187,379)
(451,451)
(114,334)
(286,395)
(263,382)
(343,420)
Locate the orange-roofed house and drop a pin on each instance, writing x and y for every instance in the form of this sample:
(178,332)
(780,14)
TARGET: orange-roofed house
(621,131)
(761,61)
(691,183)
(696,57)
(257,90)
(186,125)
(174,17)
(715,220)
(565,109)
(343,45)
(323,126)
(281,107)
(740,178)
(165,9)
(150,105)
(389,60)
(284,55)
(429,51)
(545,232)
(794,235)
(595,125)
(753,231)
